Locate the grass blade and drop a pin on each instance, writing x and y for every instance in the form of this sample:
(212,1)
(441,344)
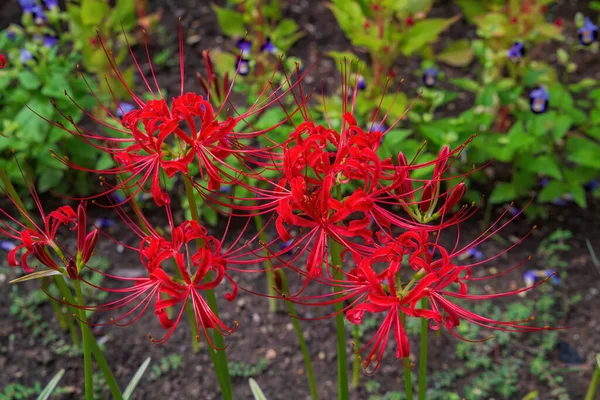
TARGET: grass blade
(136,379)
(47,392)
(256,390)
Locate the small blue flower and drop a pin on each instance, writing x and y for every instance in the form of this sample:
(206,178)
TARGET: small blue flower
(7,245)
(11,34)
(39,16)
(242,66)
(475,253)
(514,211)
(430,76)
(287,246)
(118,197)
(124,108)
(535,275)
(28,5)
(361,84)
(50,41)
(25,56)
(268,47)
(516,52)
(104,223)
(564,200)
(225,189)
(588,33)
(539,100)
(50,4)
(591,185)
(245,46)
(544,181)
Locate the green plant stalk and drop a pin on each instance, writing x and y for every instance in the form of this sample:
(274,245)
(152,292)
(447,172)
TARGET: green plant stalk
(259,223)
(408,389)
(219,358)
(292,311)
(423,355)
(87,346)
(342,358)
(356,362)
(591,392)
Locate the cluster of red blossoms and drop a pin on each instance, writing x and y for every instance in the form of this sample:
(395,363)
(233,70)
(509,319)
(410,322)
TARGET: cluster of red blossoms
(334,198)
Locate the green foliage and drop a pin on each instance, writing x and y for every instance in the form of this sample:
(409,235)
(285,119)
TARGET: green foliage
(166,364)
(33,89)
(255,22)
(552,154)
(387,30)
(241,369)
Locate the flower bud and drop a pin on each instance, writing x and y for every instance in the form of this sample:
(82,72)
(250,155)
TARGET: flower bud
(440,165)
(90,244)
(72,270)
(457,193)
(428,193)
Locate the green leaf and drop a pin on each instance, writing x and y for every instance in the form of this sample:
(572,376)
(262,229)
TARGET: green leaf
(578,193)
(56,86)
(457,54)
(29,80)
(135,379)
(286,27)
(93,12)
(465,84)
(543,165)
(256,390)
(424,32)
(32,128)
(47,392)
(231,22)
(502,193)
(584,84)
(562,124)
(552,191)
(583,152)
(123,13)
(48,179)
(36,275)
(472,8)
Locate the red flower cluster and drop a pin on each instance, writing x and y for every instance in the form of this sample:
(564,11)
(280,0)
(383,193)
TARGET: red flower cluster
(333,190)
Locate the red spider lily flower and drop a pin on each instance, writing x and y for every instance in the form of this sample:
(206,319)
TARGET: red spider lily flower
(436,271)
(2,61)
(178,269)
(37,239)
(168,286)
(32,237)
(161,138)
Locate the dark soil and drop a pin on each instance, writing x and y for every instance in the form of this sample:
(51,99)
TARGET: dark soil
(261,334)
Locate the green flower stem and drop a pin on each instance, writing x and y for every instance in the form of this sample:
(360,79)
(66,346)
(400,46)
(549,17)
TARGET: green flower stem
(423,355)
(408,389)
(218,357)
(591,392)
(356,363)
(96,351)
(292,311)
(407,381)
(342,358)
(259,223)
(87,346)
